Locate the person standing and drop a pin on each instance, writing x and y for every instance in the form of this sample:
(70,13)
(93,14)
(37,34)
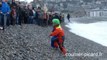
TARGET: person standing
(19,14)
(30,14)
(40,16)
(68,17)
(5,11)
(13,16)
(34,14)
(45,19)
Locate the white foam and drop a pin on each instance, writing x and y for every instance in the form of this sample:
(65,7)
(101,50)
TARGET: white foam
(96,32)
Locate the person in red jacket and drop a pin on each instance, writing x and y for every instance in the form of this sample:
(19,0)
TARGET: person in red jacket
(57,34)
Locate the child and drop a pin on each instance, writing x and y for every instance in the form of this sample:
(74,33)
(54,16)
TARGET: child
(57,34)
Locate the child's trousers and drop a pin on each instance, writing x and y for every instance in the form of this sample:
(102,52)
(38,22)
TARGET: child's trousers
(55,42)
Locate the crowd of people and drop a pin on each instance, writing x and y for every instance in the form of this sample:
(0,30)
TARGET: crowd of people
(14,13)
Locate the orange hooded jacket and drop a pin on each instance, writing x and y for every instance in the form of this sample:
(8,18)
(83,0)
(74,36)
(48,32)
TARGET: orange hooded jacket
(59,33)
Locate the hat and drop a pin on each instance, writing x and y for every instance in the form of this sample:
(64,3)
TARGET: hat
(55,21)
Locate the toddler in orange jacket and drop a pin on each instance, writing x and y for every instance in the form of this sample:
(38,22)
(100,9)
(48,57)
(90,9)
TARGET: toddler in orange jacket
(57,34)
